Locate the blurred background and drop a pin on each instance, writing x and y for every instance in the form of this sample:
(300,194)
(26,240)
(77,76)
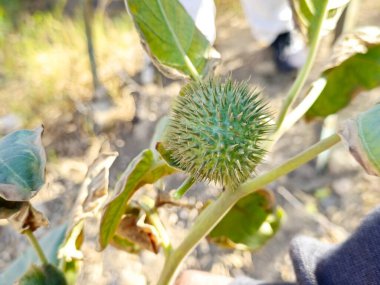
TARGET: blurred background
(48,77)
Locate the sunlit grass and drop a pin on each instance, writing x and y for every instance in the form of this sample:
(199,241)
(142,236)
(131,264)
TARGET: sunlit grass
(44,64)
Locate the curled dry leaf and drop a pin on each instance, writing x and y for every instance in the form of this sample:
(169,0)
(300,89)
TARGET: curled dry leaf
(135,228)
(28,218)
(353,43)
(92,194)
(98,180)
(362,136)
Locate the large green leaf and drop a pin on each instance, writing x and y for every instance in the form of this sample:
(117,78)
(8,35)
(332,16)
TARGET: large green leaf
(143,169)
(50,244)
(306,13)
(355,66)
(249,224)
(22,165)
(170,36)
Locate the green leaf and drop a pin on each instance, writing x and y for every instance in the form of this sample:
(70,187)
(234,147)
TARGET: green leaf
(143,169)
(45,275)
(22,165)
(170,36)
(166,156)
(50,243)
(355,66)
(362,136)
(307,11)
(159,131)
(125,244)
(249,224)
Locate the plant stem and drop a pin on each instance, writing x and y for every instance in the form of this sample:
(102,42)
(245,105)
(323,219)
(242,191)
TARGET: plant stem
(298,112)
(185,186)
(305,71)
(203,225)
(88,20)
(165,239)
(35,244)
(210,217)
(288,166)
(148,205)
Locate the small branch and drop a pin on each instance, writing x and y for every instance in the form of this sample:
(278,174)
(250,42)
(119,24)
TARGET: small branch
(88,17)
(148,205)
(35,244)
(194,73)
(305,71)
(165,239)
(318,217)
(211,216)
(301,109)
(185,186)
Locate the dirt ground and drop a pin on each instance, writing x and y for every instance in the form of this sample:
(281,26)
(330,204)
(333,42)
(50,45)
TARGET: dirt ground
(327,205)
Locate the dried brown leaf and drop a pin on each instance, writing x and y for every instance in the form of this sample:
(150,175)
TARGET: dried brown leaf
(136,229)
(28,218)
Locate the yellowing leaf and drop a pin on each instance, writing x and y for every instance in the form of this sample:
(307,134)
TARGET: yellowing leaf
(144,169)
(249,224)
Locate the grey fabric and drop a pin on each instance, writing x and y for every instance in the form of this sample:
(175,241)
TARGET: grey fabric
(354,262)
(248,281)
(305,252)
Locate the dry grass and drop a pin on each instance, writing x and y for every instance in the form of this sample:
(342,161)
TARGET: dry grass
(44,64)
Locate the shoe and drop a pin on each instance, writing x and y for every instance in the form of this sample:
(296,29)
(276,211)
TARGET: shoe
(289,51)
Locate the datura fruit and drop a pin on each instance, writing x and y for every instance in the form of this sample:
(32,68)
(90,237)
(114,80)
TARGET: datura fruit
(216,131)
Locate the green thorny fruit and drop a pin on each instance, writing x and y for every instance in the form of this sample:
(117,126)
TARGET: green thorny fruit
(216,131)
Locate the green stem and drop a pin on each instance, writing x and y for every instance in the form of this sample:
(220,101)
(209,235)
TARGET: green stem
(210,217)
(35,244)
(165,239)
(305,71)
(88,20)
(148,205)
(301,109)
(185,186)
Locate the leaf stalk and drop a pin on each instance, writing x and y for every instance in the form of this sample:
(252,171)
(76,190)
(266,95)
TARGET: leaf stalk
(36,245)
(298,84)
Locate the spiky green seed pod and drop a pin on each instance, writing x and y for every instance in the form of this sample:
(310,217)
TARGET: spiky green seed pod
(216,131)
